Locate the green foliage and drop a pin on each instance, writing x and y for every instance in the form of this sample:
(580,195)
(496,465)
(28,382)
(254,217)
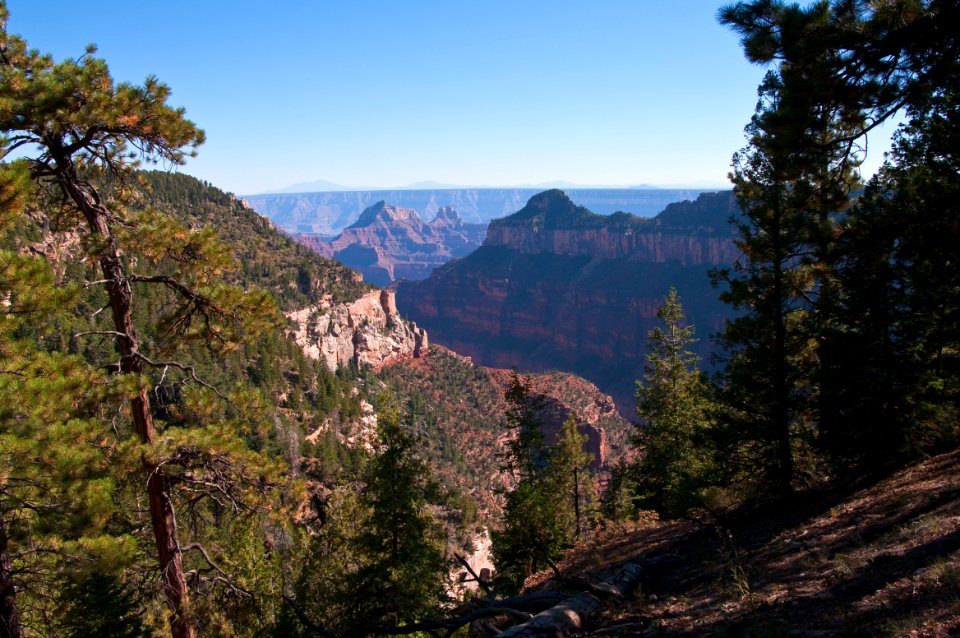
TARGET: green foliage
(378,558)
(530,538)
(402,544)
(570,481)
(97,604)
(674,406)
(540,516)
(526,449)
(897,327)
(323,588)
(296,276)
(57,489)
(845,346)
(177,415)
(619,496)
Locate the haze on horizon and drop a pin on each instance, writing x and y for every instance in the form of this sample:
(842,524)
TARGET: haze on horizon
(387,95)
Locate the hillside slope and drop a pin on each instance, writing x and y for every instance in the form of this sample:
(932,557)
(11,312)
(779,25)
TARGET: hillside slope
(880,561)
(463,404)
(294,274)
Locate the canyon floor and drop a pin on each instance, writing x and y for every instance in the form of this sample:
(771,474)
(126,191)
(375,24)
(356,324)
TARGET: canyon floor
(882,560)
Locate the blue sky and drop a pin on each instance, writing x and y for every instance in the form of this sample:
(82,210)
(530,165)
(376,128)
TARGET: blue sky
(384,94)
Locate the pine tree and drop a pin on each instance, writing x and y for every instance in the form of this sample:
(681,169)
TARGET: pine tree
(531,535)
(792,181)
(841,69)
(97,604)
(532,531)
(323,588)
(56,487)
(620,493)
(675,416)
(82,134)
(569,479)
(899,317)
(401,546)
(526,450)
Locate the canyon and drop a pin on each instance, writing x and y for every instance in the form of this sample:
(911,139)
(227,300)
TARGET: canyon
(389,242)
(556,286)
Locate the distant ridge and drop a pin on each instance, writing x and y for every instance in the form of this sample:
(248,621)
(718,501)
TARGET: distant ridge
(329,213)
(317,186)
(323,186)
(388,242)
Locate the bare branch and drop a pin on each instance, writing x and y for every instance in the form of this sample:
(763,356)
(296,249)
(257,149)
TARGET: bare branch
(224,576)
(98,312)
(305,620)
(110,333)
(190,370)
(480,581)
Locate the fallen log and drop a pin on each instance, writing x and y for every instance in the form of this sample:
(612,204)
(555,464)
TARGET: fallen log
(558,621)
(570,615)
(557,614)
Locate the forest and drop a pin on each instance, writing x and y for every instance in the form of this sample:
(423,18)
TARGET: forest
(155,472)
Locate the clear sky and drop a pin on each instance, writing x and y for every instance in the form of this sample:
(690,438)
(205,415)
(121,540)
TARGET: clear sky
(384,94)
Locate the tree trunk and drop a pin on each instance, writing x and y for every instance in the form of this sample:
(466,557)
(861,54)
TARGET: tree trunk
(10,626)
(120,293)
(781,415)
(576,502)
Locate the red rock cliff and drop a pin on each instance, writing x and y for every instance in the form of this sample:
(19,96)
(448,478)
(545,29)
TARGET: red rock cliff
(557,287)
(389,243)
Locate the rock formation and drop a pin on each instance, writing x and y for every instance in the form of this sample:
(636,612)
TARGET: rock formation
(368,331)
(388,243)
(466,406)
(561,395)
(555,286)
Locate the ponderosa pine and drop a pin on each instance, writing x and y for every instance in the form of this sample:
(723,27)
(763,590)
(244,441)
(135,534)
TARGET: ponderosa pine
(839,69)
(83,135)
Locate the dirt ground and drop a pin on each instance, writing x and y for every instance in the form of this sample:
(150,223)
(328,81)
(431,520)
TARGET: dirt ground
(881,561)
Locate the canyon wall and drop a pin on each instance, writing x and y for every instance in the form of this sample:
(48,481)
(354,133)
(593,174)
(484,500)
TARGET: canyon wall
(388,243)
(556,287)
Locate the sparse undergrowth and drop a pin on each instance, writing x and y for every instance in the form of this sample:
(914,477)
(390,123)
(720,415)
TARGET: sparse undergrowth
(883,561)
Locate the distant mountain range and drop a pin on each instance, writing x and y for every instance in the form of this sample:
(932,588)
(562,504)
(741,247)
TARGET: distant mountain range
(323,186)
(329,213)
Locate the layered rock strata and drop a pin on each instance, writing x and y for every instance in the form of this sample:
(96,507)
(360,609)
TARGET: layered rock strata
(389,243)
(368,331)
(556,287)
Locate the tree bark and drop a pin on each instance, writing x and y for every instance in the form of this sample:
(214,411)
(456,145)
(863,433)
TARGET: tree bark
(10,626)
(120,294)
